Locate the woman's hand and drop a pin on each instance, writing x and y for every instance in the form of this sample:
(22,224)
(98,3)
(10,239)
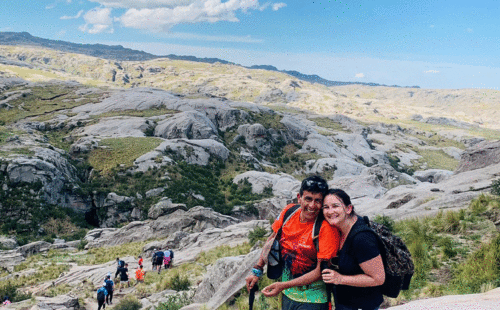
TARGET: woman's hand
(273,289)
(331,276)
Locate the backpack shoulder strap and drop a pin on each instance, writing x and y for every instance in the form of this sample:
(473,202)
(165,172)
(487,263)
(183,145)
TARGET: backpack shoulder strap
(288,214)
(315,232)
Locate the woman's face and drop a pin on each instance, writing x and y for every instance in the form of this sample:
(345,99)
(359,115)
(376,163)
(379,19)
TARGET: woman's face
(334,210)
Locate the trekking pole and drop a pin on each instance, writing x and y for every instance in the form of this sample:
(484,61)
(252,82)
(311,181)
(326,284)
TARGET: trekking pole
(251,297)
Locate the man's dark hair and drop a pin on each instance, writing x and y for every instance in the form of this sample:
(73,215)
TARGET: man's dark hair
(314,184)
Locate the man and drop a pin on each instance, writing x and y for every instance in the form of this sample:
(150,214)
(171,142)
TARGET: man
(139,274)
(110,287)
(159,259)
(123,271)
(301,275)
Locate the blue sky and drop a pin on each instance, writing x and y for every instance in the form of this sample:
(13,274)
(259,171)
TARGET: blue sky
(432,44)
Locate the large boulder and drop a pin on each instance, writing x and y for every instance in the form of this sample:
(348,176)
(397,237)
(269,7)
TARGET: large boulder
(165,207)
(195,219)
(484,301)
(195,151)
(298,128)
(9,259)
(255,136)
(339,167)
(283,185)
(61,302)
(189,125)
(479,156)
(7,243)
(116,127)
(432,175)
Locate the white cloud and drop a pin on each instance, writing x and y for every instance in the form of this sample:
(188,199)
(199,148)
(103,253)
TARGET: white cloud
(161,15)
(431,71)
(359,75)
(6,29)
(73,17)
(431,26)
(98,20)
(469,30)
(277,6)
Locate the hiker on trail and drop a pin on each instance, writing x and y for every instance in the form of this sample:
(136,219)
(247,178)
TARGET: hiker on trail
(141,261)
(110,287)
(101,297)
(357,273)
(301,284)
(6,300)
(153,260)
(159,259)
(167,259)
(139,274)
(123,271)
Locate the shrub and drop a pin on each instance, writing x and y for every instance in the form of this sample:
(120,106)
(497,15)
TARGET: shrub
(130,302)
(7,288)
(482,267)
(175,302)
(180,283)
(385,220)
(495,187)
(256,234)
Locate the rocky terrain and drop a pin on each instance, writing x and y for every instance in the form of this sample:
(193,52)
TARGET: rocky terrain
(98,153)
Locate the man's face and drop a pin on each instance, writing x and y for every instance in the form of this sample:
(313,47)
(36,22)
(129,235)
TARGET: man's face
(310,203)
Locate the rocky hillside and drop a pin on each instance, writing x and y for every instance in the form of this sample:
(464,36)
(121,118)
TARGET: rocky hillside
(135,155)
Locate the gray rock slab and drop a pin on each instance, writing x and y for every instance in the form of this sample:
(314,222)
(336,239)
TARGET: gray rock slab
(283,185)
(189,125)
(116,127)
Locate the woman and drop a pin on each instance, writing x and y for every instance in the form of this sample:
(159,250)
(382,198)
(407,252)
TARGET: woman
(358,271)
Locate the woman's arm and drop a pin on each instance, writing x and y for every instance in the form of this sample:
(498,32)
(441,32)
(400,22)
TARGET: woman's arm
(308,278)
(374,275)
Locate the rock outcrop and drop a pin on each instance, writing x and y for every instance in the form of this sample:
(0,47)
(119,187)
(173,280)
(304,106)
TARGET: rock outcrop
(479,156)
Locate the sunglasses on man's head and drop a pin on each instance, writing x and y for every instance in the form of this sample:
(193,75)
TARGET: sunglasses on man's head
(320,185)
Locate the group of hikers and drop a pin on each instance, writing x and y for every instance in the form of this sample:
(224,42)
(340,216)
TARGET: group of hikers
(345,260)
(105,292)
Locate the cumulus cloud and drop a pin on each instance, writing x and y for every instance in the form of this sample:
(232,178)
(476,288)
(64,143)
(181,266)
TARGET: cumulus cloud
(73,17)
(431,71)
(161,15)
(431,26)
(98,20)
(469,30)
(360,75)
(277,6)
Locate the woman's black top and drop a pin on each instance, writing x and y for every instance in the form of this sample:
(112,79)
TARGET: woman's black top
(356,250)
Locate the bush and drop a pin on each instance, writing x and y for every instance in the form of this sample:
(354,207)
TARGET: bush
(256,234)
(130,302)
(495,187)
(179,283)
(7,288)
(385,220)
(175,302)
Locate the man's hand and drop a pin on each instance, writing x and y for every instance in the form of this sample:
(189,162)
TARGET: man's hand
(251,280)
(273,289)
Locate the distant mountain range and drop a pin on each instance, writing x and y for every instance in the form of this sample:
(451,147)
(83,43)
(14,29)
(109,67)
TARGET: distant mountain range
(120,53)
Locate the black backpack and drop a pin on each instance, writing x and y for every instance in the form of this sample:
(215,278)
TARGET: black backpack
(121,263)
(398,265)
(275,262)
(100,295)
(109,285)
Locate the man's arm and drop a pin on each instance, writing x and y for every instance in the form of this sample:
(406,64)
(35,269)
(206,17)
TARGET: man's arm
(252,279)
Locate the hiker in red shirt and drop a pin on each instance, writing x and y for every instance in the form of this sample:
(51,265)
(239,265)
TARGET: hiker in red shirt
(139,274)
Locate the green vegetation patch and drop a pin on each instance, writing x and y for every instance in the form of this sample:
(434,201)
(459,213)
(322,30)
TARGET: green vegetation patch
(44,100)
(437,159)
(102,255)
(210,257)
(118,152)
(138,113)
(325,122)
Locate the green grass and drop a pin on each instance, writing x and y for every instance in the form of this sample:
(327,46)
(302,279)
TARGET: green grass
(325,122)
(209,257)
(121,151)
(437,159)
(106,254)
(44,100)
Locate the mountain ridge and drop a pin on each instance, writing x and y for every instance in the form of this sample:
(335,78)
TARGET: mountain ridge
(120,53)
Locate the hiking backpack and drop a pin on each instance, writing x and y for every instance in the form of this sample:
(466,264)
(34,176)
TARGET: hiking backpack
(121,263)
(100,295)
(109,285)
(398,265)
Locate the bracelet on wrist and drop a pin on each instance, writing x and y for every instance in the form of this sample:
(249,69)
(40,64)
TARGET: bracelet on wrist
(257,272)
(258,267)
